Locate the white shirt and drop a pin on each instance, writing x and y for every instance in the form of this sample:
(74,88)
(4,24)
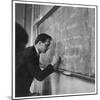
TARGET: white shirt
(36,50)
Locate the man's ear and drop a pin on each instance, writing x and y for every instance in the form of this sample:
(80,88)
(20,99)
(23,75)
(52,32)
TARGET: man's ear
(39,42)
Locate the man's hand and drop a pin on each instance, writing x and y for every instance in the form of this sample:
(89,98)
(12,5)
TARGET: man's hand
(56,61)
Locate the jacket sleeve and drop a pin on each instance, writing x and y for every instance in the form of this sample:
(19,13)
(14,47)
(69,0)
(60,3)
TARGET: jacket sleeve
(35,71)
(41,74)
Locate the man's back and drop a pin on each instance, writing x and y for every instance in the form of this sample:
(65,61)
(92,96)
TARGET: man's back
(28,70)
(23,74)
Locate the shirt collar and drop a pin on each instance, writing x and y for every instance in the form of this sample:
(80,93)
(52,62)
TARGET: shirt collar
(36,50)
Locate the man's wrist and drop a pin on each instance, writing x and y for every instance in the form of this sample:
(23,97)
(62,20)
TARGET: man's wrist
(53,66)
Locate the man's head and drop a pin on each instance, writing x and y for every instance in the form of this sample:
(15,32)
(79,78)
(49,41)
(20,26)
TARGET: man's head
(43,42)
(21,37)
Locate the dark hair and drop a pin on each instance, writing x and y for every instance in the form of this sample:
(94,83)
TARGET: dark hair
(21,37)
(42,37)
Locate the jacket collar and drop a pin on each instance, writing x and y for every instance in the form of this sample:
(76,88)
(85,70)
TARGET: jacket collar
(36,50)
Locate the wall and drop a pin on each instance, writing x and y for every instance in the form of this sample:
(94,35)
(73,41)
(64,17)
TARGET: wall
(44,9)
(19,14)
(23,16)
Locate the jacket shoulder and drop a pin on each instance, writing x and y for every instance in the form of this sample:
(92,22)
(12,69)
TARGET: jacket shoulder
(29,51)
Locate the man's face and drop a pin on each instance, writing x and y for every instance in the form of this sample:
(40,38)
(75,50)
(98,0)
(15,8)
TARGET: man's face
(44,46)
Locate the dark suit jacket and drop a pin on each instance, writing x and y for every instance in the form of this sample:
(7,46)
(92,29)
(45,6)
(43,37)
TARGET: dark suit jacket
(27,70)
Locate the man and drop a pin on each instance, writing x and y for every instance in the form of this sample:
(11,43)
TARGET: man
(30,68)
